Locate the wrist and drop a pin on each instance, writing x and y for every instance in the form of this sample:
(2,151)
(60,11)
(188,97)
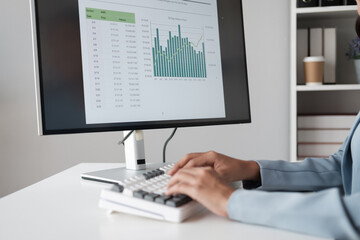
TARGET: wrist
(226,196)
(252,171)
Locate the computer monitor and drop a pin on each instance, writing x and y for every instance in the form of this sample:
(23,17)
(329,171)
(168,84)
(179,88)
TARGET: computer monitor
(119,65)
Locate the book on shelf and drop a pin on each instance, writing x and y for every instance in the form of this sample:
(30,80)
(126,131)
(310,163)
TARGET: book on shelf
(330,55)
(327,3)
(318,150)
(322,136)
(323,3)
(302,51)
(311,3)
(343,122)
(316,42)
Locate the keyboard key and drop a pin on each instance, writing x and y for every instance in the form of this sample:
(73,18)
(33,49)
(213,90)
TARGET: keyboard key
(147,176)
(153,180)
(162,199)
(119,188)
(178,201)
(127,185)
(159,191)
(151,197)
(183,196)
(139,178)
(159,172)
(151,186)
(140,194)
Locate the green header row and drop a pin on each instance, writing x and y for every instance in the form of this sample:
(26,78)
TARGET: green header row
(106,15)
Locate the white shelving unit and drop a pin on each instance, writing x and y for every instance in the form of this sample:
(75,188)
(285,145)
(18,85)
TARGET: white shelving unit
(339,17)
(318,12)
(335,87)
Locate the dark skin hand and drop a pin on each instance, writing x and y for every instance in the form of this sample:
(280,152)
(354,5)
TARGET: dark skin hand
(205,177)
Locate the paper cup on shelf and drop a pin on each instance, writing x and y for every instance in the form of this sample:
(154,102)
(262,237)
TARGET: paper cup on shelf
(314,70)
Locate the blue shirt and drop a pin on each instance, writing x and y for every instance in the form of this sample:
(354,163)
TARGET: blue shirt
(331,209)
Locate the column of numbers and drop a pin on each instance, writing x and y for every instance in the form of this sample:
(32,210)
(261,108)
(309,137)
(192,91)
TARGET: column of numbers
(116,63)
(146,48)
(95,64)
(132,66)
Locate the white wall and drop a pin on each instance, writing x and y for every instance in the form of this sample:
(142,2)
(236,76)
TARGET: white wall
(26,158)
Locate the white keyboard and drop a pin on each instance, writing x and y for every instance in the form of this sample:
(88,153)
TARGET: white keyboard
(144,195)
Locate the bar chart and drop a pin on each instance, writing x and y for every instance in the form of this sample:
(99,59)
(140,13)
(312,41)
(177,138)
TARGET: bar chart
(177,55)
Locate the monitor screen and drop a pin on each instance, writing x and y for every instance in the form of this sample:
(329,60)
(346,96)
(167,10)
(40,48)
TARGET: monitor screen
(139,64)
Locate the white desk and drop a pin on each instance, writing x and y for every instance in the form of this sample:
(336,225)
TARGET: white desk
(64,207)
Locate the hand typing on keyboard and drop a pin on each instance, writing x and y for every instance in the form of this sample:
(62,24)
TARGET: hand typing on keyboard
(204,185)
(144,195)
(166,193)
(204,177)
(151,186)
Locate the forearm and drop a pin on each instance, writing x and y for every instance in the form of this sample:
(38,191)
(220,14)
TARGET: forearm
(321,214)
(312,174)
(309,175)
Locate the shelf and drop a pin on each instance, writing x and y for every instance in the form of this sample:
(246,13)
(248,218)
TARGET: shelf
(321,12)
(336,98)
(338,87)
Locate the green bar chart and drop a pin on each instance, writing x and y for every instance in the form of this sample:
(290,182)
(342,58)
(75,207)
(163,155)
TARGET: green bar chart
(180,57)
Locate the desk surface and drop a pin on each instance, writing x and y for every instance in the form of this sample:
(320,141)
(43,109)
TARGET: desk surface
(66,207)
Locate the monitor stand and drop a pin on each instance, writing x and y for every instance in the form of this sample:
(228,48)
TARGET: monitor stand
(135,162)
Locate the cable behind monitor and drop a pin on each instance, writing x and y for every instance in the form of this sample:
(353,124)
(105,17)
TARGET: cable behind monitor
(166,143)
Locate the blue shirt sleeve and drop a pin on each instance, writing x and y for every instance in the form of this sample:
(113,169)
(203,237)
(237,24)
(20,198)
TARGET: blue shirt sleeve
(326,213)
(312,174)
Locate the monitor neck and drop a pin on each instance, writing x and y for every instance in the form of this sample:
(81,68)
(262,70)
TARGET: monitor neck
(135,151)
